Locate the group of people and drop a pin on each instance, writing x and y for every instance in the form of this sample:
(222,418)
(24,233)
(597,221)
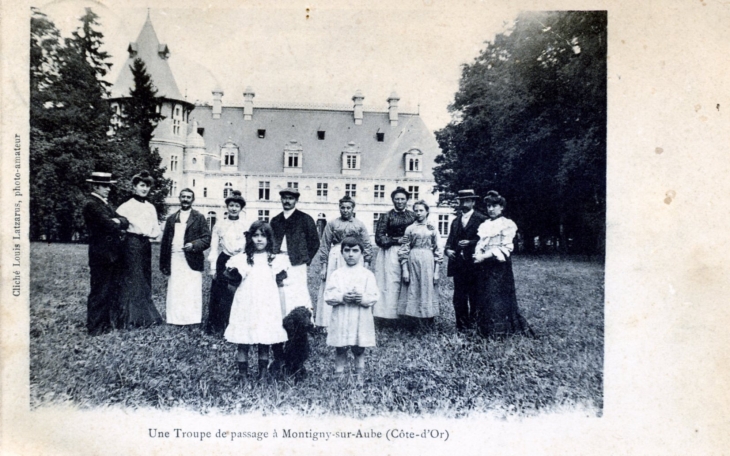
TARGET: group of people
(260,272)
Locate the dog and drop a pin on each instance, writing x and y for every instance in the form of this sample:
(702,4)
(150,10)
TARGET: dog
(290,360)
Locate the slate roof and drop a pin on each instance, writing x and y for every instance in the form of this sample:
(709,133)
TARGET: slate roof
(148,48)
(320,157)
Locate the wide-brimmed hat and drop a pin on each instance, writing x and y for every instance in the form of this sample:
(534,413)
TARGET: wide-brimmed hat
(467,194)
(289,191)
(98,177)
(235,197)
(143,176)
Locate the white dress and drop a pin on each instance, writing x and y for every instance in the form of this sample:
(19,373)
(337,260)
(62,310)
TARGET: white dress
(351,324)
(185,287)
(256,316)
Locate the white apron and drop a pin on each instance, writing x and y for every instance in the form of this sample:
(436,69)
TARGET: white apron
(185,287)
(295,290)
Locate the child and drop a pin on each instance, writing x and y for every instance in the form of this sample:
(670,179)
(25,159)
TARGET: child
(352,292)
(256,313)
(420,259)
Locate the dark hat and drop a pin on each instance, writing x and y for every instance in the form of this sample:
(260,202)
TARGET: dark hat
(467,194)
(400,190)
(101,178)
(493,197)
(235,197)
(143,176)
(290,191)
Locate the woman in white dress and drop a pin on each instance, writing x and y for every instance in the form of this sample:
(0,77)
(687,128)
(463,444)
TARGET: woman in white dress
(136,308)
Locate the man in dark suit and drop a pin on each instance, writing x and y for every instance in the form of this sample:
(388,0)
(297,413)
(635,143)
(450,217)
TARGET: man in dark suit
(185,238)
(296,236)
(460,248)
(105,228)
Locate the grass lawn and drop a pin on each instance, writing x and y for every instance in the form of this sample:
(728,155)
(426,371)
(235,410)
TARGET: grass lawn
(423,372)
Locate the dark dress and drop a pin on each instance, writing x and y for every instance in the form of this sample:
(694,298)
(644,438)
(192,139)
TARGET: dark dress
(221,299)
(136,308)
(497,311)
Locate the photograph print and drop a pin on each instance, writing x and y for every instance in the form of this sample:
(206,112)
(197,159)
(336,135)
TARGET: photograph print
(317,212)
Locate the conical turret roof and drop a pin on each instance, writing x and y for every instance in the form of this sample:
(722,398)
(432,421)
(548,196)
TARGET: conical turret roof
(148,48)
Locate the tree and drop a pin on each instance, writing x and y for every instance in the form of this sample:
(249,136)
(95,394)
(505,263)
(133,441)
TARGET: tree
(69,122)
(139,119)
(529,120)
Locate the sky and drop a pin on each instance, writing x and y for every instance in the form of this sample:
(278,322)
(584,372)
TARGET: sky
(299,52)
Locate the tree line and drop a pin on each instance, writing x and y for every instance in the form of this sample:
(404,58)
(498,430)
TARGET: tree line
(529,120)
(71,133)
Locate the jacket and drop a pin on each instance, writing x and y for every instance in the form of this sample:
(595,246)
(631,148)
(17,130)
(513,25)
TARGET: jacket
(105,236)
(302,238)
(196,232)
(463,262)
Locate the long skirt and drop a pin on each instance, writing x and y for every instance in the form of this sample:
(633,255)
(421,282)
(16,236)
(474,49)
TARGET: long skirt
(221,298)
(295,290)
(136,308)
(388,277)
(421,297)
(497,311)
(184,293)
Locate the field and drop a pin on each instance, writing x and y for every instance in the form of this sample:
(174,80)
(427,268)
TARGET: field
(421,372)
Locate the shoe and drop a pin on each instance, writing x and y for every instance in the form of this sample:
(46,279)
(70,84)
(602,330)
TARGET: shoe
(263,368)
(242,369)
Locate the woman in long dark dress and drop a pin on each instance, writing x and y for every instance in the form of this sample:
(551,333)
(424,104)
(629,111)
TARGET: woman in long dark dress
(391,228)
(227,241)
(136,308)
(497,311)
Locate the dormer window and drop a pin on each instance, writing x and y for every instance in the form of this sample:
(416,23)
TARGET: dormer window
(176,121)
(293,157)
(380,136)
(413,163)
(261,133)
(320,135)
(229,156)
(351,159)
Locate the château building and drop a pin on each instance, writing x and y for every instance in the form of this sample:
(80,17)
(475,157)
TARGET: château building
(325,151)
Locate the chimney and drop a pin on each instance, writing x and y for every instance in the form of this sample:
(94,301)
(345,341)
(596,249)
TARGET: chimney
(393,109)
(357,109)
(217,102)
(248,103)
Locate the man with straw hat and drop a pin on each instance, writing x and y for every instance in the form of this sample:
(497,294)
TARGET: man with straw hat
(105,228)
(459,249)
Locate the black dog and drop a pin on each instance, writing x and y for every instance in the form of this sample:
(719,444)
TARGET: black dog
(290,356)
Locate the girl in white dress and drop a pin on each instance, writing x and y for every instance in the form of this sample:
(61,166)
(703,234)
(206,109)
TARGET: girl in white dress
(257,311)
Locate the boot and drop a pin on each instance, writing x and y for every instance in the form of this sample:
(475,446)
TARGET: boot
(242,369)
(263,368)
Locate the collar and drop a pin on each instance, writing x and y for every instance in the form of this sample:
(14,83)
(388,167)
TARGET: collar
(468,214)
(288,213)
(100,197)
(139,198)
(232,218)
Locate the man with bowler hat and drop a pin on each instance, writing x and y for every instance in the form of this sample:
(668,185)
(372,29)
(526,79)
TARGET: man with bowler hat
(459,249)
(105,228)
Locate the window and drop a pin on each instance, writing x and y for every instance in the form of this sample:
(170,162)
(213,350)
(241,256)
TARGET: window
(380,136)
(320,135)
(176,120)
(227,189)
(205,192)
(193,182)
(229,157)
(321,191)
(195,160)
(264,215)
(413,190)
(201,131)
(173,191)
(292,160)
(351,190)
(444,224)
(264,190)
(211,220)
(414,164)
(173,162)
(351,161)
(261,133)
(376,217)
(294,185)
(379,193)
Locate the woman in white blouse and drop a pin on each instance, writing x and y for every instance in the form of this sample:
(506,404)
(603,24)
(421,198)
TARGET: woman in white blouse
(497,312)
(136,308)
(227,241)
